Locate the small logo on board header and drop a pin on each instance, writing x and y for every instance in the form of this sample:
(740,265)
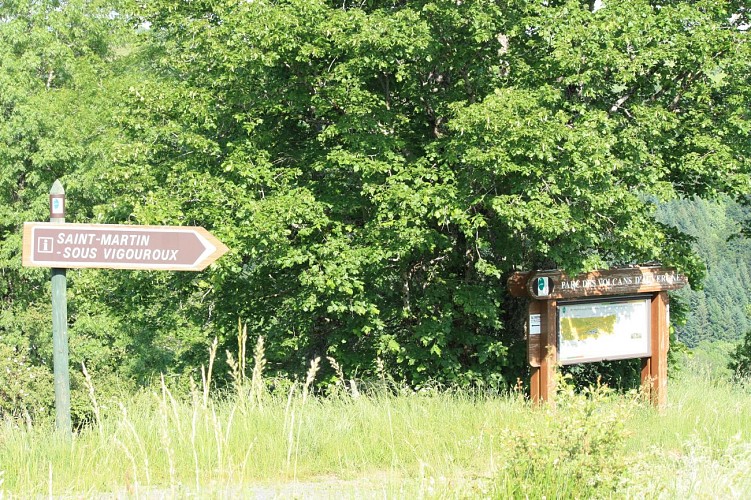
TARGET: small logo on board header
(543,287)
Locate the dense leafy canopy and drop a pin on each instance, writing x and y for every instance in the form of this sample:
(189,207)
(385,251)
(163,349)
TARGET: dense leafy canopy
(377,168)
(55,60)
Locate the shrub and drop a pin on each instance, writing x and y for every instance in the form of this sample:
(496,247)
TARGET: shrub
(576,452)
(741,359)
(27,389)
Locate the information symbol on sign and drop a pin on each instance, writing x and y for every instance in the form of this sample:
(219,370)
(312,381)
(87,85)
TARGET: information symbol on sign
(44,245)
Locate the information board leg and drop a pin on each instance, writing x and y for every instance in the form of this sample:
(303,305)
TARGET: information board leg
(549,353)
(534,384)
(646,377)
(534,347)
(660,344)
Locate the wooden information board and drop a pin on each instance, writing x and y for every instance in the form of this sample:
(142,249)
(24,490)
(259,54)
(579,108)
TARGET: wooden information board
(610,314)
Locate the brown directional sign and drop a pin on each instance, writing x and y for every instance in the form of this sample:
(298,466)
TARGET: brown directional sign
(113,246)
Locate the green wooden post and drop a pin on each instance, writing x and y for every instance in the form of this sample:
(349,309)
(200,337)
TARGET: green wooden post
(60,324)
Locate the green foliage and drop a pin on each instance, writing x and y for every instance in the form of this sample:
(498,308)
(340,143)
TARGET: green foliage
(622,375)
(387,166)
(27,389)
(708,359)
(57,59)
(377,169)
(576,454)
(740,363)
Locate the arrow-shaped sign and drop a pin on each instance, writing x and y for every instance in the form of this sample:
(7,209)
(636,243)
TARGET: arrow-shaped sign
(113,246)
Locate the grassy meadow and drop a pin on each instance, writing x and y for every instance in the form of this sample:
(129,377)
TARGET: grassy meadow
(384,440)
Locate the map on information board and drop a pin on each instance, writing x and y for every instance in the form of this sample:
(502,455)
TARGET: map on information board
(596,331)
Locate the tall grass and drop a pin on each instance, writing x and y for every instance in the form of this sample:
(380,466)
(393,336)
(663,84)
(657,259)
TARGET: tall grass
(152,443)
(388,440)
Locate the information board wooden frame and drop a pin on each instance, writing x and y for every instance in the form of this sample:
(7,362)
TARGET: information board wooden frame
(650,282)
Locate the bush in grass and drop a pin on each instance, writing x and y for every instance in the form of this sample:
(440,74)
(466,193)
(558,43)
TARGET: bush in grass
(575,451)
(26,388)
(741,359)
